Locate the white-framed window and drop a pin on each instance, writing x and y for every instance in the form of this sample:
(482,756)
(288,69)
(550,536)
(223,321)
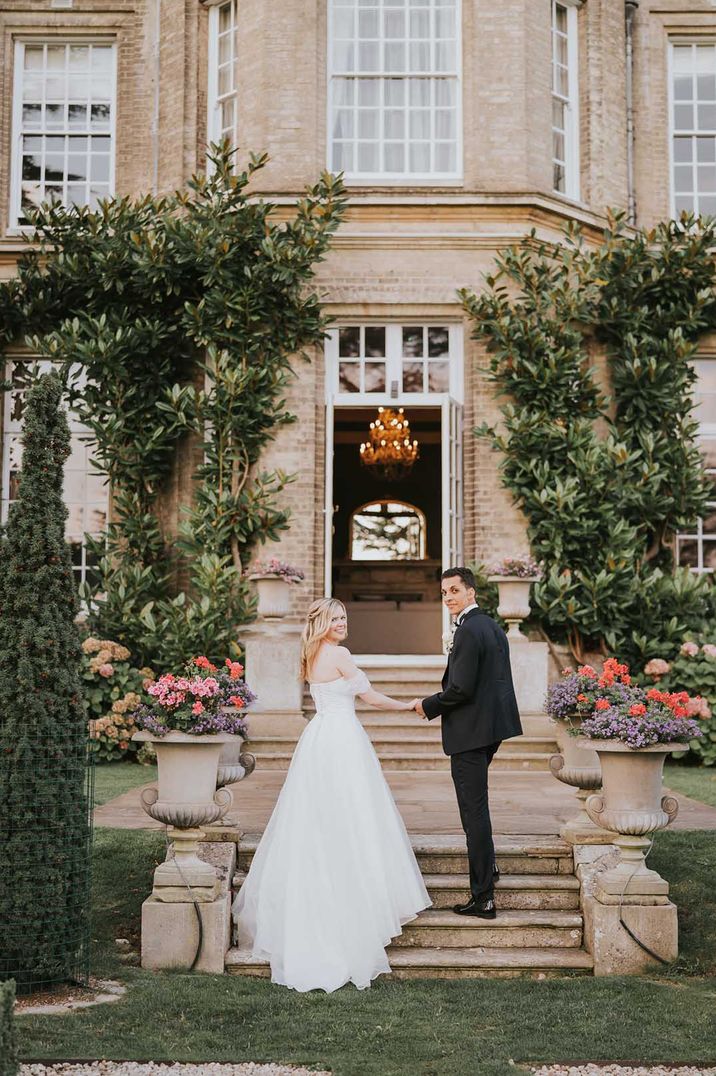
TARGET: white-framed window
(85,489)
(376,362)
(223,104)
(697,549)
(388,530)
(64,107)
(394,98)
(565,99)
(693,127)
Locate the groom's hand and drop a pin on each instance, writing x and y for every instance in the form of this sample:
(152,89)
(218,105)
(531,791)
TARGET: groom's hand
(418,707)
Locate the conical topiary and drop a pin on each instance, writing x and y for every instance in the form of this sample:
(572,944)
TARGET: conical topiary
(44,819)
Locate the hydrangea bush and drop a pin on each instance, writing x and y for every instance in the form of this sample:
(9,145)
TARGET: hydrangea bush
(609,706)
(692,670)
(113,690)
(202,701)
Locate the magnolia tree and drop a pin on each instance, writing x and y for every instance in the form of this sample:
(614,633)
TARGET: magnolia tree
(604,483)
(178,321)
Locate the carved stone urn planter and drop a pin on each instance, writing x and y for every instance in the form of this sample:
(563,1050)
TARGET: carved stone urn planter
(186,798)
(274,594)
(514,602)
(632,806)
(578,767)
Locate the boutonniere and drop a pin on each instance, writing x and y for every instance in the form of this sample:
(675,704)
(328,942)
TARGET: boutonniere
(448,639)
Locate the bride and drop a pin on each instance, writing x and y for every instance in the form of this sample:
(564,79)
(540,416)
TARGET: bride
(334,876)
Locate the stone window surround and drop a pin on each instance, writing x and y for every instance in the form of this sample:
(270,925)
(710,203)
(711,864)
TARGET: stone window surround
(53,34)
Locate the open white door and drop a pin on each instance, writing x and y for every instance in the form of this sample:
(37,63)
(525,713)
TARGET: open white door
(328,505)
(453,510)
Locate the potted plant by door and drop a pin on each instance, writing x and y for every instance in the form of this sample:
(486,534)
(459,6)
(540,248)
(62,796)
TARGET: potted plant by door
(273,579)
(514,575)
(189,719)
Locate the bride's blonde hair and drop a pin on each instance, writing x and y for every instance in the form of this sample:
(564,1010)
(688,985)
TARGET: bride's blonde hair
(317,626)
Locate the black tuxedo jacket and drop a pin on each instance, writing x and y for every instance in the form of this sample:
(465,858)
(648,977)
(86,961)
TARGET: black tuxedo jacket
(477,702)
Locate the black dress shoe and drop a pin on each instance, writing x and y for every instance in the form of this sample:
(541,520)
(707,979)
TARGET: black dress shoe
(483,909)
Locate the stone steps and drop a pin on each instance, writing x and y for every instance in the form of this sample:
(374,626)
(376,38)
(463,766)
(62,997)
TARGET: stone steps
(479,963)
(538,931)
(518,762)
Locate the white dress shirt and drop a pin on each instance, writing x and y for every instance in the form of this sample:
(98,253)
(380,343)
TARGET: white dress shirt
(463,613)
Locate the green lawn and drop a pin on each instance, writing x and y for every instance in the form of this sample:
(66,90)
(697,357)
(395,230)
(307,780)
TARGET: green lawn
(113,778)
(393,1029)
(698,782)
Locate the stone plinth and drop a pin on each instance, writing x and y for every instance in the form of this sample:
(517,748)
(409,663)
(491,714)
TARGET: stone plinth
(529,672)
(273,652)
(170,928)
(614,951)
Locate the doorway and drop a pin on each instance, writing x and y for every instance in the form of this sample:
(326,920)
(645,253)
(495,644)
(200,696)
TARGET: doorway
(386,553)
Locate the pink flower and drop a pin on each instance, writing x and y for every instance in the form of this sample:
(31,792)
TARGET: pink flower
(709,650)
(657,667)
(106,670)
(698,707)
(690,650)
(198,708)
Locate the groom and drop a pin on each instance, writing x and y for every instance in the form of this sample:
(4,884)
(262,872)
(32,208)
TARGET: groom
(479,710)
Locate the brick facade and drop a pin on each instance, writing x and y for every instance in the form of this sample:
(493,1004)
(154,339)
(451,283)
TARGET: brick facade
(404,250)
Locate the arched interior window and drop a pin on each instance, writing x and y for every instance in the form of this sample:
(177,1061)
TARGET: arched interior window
(387,530)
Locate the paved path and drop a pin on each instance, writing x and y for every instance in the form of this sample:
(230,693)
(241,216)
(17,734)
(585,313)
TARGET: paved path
(520,803)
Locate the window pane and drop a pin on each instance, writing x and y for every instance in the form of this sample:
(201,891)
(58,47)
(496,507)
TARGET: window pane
(375,340)
(375,377)
(438,342)
(349,377)
(438,376)
(349,342)
(412,377)
(412,340)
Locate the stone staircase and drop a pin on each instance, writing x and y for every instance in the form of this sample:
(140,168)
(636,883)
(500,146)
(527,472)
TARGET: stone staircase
(405,741)
(538,931)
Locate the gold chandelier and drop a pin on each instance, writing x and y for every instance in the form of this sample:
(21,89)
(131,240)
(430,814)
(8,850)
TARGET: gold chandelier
(389,448)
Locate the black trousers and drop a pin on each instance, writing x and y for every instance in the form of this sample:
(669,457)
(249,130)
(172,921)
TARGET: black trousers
(469,774)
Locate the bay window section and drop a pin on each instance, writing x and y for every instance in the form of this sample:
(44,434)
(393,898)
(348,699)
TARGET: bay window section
(394,89)
(696,548)
(565,100)
(223,97)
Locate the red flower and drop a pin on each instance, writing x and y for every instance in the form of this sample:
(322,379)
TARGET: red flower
(198,707)
(235,668)
(602,704)
(237,701)
(581,698)
(637,709)
(586,670)
(204,663)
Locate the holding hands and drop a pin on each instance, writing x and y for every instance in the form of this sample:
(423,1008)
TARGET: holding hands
(417,705)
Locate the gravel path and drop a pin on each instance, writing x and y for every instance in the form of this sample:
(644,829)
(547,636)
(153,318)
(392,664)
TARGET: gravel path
(624,1070)
(151,1068)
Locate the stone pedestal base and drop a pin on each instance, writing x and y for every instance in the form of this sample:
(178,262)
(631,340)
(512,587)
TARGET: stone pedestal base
(273,653)
(268,723)
(614,951)
(170,924)
(581,829)
(529,673)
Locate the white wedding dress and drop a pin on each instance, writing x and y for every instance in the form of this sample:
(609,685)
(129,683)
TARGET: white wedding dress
(334,876)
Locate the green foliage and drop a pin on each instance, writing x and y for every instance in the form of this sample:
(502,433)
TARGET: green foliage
(176,320)
(9,1061)
(44,884)
(113,689)
(604,486)
(696,673)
